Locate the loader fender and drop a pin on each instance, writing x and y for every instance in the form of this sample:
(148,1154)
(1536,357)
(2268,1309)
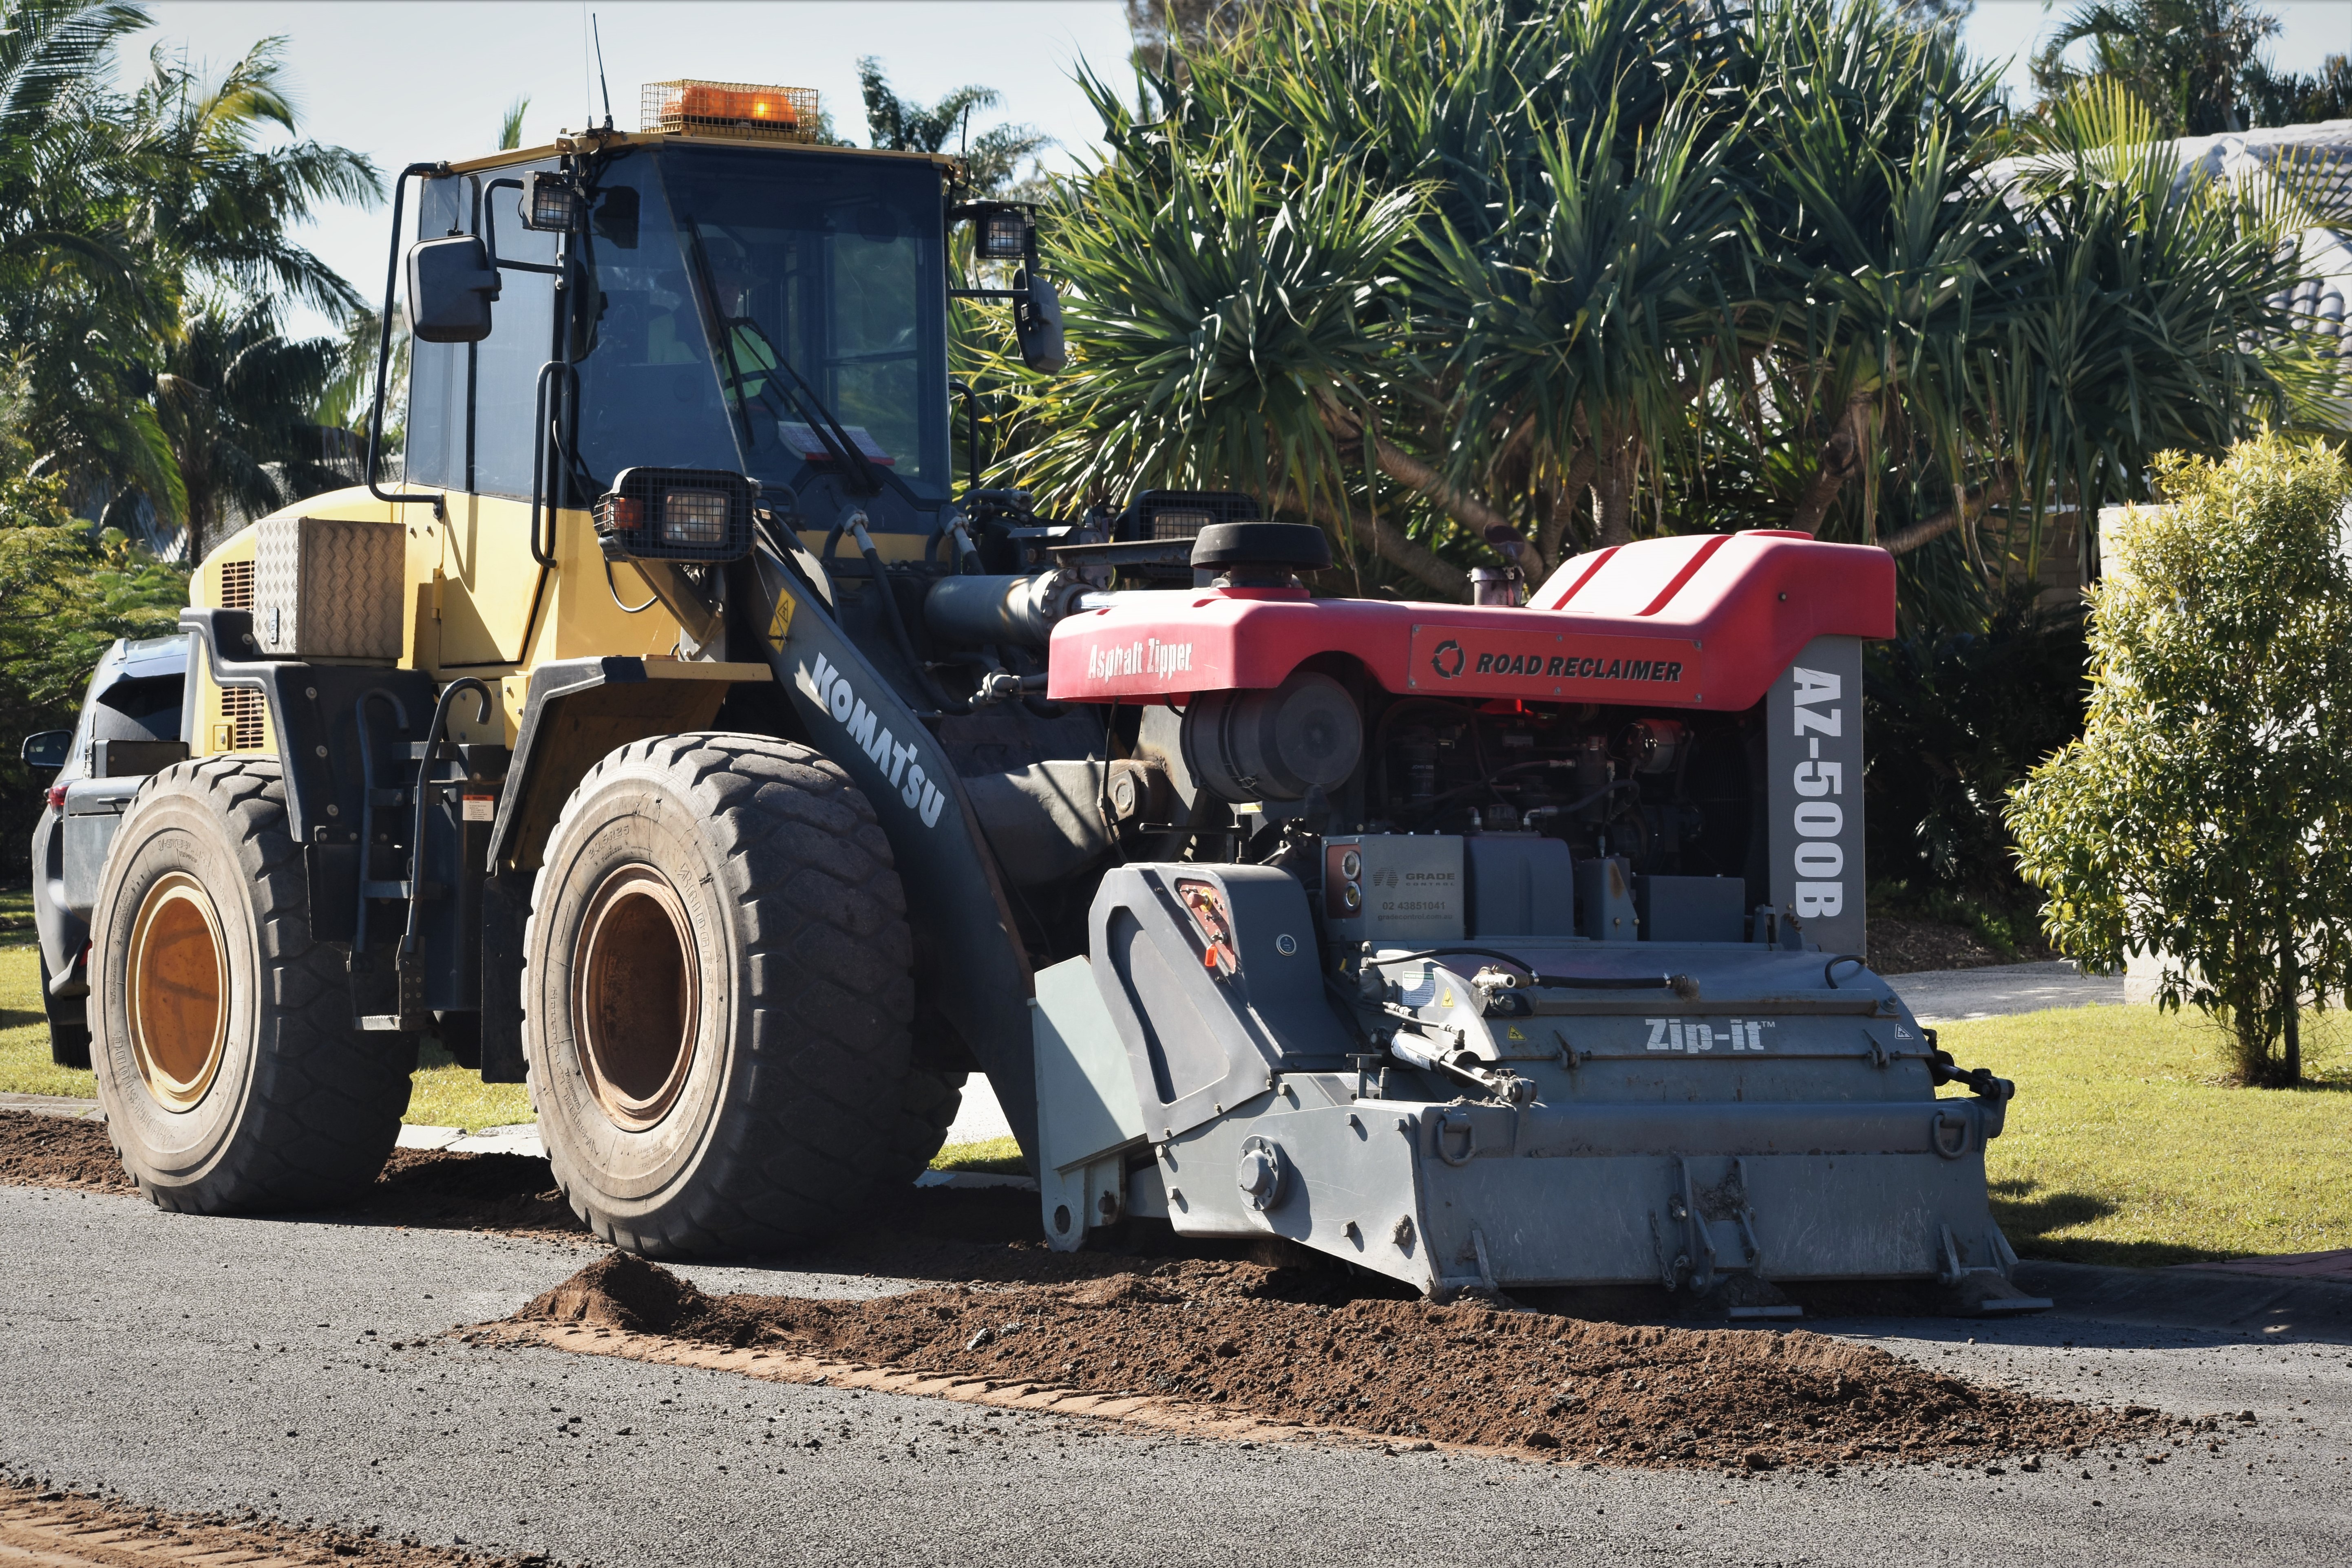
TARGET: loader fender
(578,711)
(972,964)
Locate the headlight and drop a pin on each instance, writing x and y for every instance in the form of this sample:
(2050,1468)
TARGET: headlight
(696,518)
(677,514)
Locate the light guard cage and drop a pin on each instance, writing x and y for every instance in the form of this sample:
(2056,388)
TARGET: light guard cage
(677,514)
(745,112)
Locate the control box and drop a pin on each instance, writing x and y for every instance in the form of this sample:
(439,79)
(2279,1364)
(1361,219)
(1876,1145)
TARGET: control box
(1394,887)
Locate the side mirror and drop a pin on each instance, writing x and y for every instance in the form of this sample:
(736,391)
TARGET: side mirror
(1038,321)
(46,752)
(450,285)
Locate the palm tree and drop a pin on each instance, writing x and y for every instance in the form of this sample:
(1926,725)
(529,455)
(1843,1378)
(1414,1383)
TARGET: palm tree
(991,159)
(117,208)
(236,400)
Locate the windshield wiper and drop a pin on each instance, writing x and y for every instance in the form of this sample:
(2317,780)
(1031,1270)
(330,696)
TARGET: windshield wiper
(803,398)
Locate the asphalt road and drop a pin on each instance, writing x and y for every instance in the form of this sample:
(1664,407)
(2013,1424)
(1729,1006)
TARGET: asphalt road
(301,1369)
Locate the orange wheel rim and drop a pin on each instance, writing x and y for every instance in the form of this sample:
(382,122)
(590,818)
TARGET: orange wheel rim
(178,991)
(636,996)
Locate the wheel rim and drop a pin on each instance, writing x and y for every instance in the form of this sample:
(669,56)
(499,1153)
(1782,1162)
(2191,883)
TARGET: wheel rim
(637,995)
(178,991)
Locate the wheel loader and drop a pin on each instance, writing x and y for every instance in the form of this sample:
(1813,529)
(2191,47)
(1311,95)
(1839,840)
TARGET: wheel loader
(676,736)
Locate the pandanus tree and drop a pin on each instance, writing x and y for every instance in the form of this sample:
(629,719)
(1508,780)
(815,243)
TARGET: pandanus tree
(1470,280)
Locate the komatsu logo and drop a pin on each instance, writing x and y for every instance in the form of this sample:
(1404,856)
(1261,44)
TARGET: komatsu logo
(1144,656)
(831,690)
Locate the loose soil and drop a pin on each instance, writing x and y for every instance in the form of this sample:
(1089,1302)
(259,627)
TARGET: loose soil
(66,1529)
(1906,945)
(513,1193)
(1298,1345)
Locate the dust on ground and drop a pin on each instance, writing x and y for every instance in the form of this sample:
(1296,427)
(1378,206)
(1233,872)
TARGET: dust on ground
(70,1529)
(1301,1345)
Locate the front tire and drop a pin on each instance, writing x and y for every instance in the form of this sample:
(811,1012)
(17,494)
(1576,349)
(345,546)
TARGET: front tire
(231,1074)
(716,1000)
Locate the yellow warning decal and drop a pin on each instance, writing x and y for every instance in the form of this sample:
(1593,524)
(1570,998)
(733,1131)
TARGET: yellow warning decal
(781,623)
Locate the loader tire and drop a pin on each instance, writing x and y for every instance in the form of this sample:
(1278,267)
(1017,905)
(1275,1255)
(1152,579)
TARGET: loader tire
(231,1074)
(69,1025)
(716,1000)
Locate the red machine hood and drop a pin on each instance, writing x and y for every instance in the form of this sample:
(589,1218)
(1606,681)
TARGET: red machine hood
(1703,621)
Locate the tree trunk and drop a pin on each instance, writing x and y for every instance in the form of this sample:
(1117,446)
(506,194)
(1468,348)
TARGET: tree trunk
(1840,460)
(1501,534)
(1551,540)
(1613,494)
(1944,522)
(1392,545)
(2290,1070)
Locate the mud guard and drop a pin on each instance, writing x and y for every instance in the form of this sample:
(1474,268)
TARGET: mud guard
(979,973)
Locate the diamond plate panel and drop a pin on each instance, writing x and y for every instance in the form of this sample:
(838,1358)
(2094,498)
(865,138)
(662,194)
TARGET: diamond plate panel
(327,587)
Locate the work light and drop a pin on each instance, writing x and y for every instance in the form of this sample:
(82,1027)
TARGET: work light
(694,518)
(553,201)
(676,513)
(1004,234)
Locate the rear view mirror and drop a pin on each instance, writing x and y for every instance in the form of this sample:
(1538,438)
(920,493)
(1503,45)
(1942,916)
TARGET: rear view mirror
(450,285)
(46,752)
(1038,321)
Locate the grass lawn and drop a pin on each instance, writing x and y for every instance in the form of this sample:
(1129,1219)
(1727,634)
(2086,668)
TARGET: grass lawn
(445,1096)
(2124,1148)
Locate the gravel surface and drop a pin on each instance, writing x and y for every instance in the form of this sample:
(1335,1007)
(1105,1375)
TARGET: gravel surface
(202,1364)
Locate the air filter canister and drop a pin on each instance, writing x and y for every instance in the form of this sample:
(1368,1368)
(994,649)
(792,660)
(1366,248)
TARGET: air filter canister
(1274,745)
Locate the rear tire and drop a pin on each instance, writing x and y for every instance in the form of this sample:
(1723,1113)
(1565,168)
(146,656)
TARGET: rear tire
(231,1075)
(69,1025)
(716,1000)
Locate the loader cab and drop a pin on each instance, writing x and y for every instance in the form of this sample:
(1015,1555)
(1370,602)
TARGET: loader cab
(716,303)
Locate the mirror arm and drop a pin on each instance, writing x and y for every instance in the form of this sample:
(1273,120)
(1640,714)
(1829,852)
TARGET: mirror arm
(491,234)
(384,351)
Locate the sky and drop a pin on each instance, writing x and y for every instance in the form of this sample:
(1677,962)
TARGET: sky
(418,80)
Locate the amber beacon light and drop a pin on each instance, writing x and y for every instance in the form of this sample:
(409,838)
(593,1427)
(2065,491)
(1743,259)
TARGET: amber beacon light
(733,109)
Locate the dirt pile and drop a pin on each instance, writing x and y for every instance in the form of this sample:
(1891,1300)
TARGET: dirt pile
(1286,1345)
(71,1530)
(36,1150)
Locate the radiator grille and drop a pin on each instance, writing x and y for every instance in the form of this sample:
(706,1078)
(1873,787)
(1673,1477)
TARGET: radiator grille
(242,707)
(236,589)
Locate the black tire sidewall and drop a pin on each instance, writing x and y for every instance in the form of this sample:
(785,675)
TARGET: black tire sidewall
(634,815)
(168,831)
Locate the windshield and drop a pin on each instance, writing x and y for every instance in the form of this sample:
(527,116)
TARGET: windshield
(717,273)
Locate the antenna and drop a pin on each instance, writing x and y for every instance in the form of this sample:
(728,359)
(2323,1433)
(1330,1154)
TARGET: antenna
(603,86)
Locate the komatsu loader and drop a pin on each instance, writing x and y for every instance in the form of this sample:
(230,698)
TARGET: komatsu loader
(675,736)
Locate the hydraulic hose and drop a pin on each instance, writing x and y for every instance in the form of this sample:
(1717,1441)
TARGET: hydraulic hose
(856,523)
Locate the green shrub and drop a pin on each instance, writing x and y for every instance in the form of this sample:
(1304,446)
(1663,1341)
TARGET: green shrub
(65,594)
(2206,813)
